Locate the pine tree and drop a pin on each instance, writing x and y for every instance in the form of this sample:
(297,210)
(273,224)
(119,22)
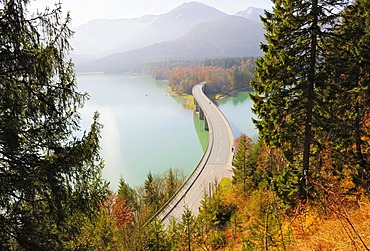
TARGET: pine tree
(50,179)
(290,75)
(151,193)
(188,224)
(128,193)
(171,184)
(157,238)
(349,63)
(241,168)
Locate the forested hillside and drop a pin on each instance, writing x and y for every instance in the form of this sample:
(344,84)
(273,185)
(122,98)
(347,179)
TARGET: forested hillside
(303,185)
(221,74)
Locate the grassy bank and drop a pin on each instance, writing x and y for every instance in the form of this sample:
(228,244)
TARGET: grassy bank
(187,100)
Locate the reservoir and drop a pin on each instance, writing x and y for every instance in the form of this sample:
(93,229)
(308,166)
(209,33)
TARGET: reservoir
(146,129)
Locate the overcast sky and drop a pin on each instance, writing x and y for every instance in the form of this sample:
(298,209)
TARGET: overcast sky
(83,11)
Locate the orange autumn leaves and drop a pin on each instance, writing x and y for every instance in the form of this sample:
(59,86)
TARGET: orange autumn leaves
(118,210)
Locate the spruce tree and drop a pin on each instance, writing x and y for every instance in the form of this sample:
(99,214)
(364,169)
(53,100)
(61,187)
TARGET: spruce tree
(171,186)
(188,224)
(151,197)
(50,180)
(128,193)
(241,168)
(157,238)
(348,91)
(289,77)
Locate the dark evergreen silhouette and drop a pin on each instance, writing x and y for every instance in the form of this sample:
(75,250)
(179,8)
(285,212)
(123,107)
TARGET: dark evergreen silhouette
(50,180)
(291,75)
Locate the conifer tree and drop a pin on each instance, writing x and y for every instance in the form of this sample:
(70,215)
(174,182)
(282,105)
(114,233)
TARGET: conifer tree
(348,91)
(241,168)
(157,238)
(151,193)
(50,180)
(128,193)
(289,77)
(171,184)
(188,224)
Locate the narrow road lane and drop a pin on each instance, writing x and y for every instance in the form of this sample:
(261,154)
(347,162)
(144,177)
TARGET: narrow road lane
(215,164)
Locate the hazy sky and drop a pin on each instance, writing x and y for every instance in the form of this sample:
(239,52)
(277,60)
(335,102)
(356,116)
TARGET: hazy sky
(83,11)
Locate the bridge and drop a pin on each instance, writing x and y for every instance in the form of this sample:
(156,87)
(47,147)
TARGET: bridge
(215,164)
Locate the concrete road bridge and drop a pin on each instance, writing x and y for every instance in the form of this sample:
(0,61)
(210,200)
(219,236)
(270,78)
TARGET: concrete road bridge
(215,164)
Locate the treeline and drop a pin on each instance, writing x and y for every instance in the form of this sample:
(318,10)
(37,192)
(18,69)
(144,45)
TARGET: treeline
(120,223)
(312,93)
(151,67)
(258,209)
(222,75)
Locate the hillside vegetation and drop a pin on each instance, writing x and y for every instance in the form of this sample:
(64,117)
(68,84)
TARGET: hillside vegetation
(222,75)
(303,185)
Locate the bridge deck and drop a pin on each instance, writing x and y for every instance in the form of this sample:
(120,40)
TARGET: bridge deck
(215,164)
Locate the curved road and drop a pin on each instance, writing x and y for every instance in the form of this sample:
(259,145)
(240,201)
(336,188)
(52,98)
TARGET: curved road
(215,164)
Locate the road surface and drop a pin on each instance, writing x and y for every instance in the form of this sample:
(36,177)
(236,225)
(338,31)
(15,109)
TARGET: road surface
(215,164)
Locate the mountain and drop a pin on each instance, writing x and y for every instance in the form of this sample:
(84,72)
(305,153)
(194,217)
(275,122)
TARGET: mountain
(230,36)
(103,37)
(100,37)
(180,21)
(251,13)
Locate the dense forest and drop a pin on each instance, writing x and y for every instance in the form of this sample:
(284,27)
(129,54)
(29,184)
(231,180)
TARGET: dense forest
(303,185)
(222,74)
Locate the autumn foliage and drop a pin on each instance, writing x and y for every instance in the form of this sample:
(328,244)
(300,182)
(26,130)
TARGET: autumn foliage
(120,211)
(222,75)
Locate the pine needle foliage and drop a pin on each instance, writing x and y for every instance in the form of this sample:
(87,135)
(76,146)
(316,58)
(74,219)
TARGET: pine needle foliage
(50,179)
(290,77)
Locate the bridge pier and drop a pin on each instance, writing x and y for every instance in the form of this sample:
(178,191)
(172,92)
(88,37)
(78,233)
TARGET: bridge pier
(201,115)
(197,107)
(206,127)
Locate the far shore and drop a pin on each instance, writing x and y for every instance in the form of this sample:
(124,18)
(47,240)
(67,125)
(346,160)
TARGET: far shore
(220,96)
(189,99)
(91,73)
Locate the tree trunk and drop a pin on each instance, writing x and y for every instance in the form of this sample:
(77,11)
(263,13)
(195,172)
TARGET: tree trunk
(309,105)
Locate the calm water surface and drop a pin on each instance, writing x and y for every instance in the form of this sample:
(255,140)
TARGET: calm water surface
(237,109)
(145,129)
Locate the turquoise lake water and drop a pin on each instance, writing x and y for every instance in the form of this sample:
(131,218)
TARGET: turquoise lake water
(146,129)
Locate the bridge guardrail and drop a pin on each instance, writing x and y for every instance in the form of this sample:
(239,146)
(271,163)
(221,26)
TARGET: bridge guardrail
(165,210)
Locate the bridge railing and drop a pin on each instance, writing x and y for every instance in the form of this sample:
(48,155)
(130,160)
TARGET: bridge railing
(167,208)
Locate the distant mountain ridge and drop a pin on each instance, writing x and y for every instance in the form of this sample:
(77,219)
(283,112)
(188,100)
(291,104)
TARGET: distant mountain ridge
(176,23)
(192,30)
(103,37)
(251,13)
